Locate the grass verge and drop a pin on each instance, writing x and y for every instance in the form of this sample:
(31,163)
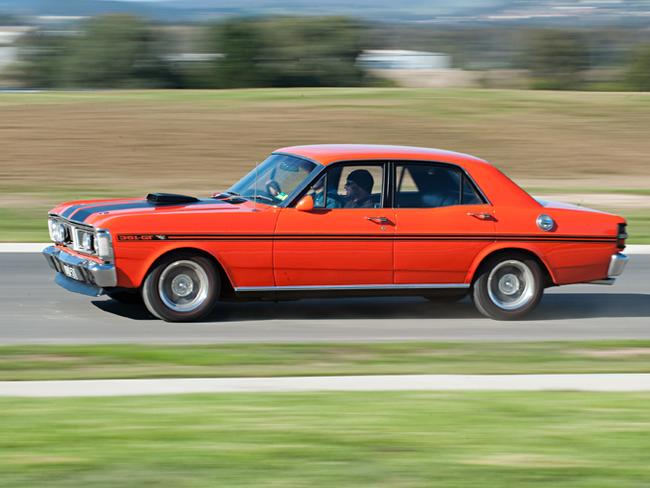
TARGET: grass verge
(240,360)
(405,439)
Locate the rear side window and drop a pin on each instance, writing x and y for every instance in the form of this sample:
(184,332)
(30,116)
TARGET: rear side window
(424,185)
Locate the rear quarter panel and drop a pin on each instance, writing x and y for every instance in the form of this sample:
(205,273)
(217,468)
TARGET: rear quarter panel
(577,250)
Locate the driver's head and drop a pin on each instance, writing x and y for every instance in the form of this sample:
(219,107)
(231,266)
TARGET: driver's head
(359,184)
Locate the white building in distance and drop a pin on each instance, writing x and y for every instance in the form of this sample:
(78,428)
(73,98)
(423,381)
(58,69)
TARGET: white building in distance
(376,59)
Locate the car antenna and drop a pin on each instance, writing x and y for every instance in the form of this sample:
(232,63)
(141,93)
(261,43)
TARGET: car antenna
(257,165)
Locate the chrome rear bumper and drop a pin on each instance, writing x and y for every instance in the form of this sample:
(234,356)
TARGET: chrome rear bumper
(616,266)
(87,272)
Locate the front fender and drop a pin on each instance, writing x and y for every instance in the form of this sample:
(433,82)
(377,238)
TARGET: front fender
(134,260)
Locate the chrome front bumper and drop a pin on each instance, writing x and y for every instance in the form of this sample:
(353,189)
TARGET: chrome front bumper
(91,276)
(616,266)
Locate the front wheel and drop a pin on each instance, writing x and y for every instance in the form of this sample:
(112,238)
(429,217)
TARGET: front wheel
(508,287)
(182,287)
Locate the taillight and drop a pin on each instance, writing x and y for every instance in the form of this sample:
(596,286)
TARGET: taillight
(621,235)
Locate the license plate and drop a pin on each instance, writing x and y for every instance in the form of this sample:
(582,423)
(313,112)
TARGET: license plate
(71,272)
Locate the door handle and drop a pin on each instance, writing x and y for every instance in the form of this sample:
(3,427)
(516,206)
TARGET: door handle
(481,215)
(379,220)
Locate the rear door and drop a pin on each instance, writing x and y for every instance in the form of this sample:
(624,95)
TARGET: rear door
(442,223)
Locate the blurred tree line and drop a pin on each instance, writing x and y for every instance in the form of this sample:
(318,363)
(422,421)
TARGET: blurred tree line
(594,58)
(121,51)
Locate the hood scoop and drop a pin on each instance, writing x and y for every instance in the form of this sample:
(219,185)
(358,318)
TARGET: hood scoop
(170,199)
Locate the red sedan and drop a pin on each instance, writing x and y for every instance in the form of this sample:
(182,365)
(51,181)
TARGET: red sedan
(338,220)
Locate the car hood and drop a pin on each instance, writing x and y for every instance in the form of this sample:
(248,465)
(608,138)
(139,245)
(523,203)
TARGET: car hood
(91,212)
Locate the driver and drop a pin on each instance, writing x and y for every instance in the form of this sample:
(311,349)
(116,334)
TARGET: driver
(318,194)
(358,189)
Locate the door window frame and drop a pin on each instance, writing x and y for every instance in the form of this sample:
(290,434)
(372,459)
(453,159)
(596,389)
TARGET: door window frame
(463,172)
(386,202)
(389,181)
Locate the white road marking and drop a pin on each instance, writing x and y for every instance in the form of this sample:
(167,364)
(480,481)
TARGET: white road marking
(633,382)
(34,247)
(23,247)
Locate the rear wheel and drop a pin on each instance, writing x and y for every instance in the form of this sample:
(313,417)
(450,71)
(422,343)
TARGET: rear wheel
(508,287)
(182,287)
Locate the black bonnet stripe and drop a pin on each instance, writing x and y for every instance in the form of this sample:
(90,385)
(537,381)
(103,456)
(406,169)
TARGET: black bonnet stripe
(84,212)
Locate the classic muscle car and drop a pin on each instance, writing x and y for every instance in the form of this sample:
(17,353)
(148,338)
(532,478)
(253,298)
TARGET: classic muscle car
(332,220)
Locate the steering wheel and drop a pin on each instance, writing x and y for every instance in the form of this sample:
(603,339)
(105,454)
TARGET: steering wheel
(273,189)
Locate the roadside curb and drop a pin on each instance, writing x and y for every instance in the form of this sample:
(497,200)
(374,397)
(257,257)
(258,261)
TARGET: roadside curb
(34,247)
(632,382)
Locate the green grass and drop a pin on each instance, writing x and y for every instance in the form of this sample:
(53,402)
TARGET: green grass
(405,439)
(148,361)
(638,227)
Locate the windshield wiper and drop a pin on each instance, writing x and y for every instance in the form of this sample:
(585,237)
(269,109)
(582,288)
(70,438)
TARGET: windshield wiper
(261,197)
(225,195)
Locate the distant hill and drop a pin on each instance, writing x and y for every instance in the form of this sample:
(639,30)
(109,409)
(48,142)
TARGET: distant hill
(435,11)
(81,7)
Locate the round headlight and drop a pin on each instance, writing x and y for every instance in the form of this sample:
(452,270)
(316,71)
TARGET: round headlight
(50,228)
(545,222)
(87,241)
(58,232)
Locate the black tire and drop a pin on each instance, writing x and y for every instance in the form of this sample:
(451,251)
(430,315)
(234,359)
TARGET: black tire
(129,297)
(508,287)
(181,287)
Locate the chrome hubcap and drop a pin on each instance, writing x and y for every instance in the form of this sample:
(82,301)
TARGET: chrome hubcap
(183,286)
(511,285)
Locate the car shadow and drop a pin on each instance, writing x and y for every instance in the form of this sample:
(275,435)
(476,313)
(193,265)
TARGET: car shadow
(134,311)
(564,306)
(554,306)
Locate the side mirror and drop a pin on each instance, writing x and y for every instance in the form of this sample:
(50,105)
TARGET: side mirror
(305,204)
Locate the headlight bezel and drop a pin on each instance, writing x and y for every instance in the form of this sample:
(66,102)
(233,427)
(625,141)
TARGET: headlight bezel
(86,241)
(81,238)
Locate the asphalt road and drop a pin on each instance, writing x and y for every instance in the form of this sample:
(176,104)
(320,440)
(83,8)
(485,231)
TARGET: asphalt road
(33,309)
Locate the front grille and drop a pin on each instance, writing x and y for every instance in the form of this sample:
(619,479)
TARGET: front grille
(73,234)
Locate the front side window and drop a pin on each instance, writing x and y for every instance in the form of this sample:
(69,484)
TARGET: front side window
(424,185)
(274,180)
(349,186)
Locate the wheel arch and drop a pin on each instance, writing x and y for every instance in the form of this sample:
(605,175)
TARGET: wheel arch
(492,251)
(226,282)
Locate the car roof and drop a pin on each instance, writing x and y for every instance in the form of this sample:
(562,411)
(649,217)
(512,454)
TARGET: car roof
(497,187)
(330,153)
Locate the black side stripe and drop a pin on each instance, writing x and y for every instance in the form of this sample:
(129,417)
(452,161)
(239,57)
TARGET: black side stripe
(360,237)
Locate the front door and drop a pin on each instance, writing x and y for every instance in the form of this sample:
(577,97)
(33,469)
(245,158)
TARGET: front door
(346,240)
(442,223)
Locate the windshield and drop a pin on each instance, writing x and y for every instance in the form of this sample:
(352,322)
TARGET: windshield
(274,180)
